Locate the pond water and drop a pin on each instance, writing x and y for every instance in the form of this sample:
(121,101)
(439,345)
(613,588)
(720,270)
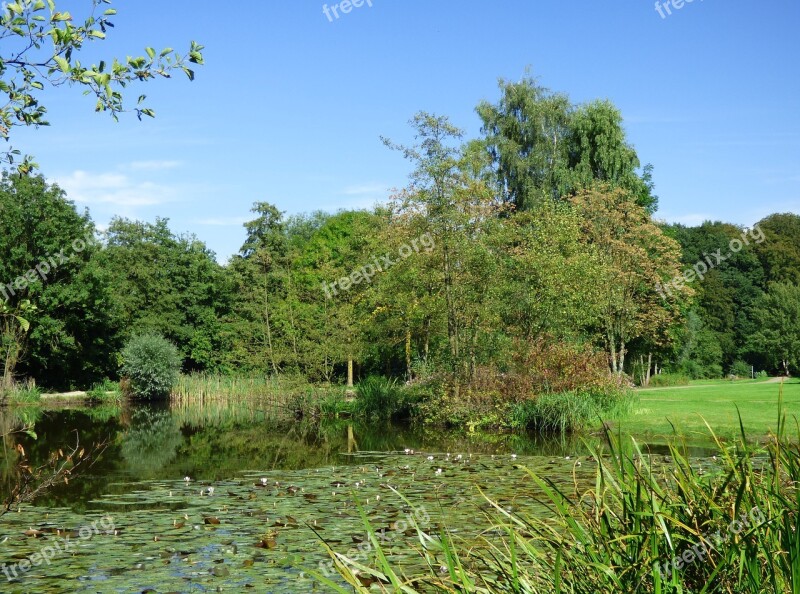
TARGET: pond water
(263,496)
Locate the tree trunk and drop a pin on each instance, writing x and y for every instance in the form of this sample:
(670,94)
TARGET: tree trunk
(649,366)
(268,327)
(452,324)
(352,445)
(409,377)
(349,371)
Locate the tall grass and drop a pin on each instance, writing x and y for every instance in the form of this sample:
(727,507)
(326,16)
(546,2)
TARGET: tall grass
(649,524)
(566,412)
(378,397)
(21,393)
(278,396)
(202,386)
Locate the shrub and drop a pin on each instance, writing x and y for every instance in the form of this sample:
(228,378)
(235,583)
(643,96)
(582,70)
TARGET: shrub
(152,364)
(668,380)
(741,369)
(105,390)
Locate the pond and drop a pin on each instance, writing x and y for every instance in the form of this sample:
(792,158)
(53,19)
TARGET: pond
(224,497)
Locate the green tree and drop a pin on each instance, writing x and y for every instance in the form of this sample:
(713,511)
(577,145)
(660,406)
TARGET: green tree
(166,284)
(778,335)
(41,47)
(458,210)
(637,257)
(544,147)
(779,253)
(726,292)
(46,258)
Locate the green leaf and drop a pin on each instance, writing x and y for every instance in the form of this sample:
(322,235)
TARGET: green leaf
(62,64)
(150,52)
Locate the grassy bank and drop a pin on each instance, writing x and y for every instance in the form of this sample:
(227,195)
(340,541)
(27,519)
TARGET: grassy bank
(718,402)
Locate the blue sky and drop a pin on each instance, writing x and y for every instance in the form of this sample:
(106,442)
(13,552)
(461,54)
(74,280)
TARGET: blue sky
(290,106)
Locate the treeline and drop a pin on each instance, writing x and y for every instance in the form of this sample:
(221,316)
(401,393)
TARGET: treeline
(525,261)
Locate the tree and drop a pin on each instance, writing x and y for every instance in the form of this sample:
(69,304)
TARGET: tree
(525,133)
(166,284)
(550,279)
(779,252)
(598,151)
(726,292)
(544,147)
(458,208)
(778,335)
(41,46)
(46,258)
(637,257)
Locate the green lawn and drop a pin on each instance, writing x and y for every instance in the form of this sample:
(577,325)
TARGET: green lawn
(716,402)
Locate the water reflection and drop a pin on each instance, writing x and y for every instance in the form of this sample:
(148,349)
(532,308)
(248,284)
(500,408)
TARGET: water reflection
(214,442)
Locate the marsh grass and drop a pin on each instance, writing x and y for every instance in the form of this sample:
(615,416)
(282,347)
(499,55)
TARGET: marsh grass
(378,397)
(276,397)
(106,391)
(21,393)
(567,412)
(621,534)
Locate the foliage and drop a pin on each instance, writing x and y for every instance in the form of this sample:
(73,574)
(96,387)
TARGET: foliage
(779,253)
(741,369)
(46,263)
(667,380)
(166,284)
(152,364)
(638,257)
(41,48)
(380,398)
(777,314)
(104,391)
(544,148)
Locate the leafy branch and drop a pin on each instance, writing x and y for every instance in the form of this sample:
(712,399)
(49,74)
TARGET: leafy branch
(40,44)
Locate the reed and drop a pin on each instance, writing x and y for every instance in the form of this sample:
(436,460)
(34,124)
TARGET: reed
(650,524)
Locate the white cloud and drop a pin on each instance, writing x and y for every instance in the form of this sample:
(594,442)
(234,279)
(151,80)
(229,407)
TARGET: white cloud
(376,190)
(222,221)
(113,188)
(154,165)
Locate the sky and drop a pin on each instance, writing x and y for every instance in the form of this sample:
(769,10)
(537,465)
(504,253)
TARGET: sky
(291,103)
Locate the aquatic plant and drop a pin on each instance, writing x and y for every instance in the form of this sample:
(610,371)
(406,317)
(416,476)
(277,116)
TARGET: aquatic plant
(660,524)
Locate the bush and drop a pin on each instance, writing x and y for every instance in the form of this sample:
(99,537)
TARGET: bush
(668,380)
(695,370)
(152,365)
(741,369)
(105,390)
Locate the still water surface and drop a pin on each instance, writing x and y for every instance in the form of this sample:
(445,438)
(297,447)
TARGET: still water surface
(262,497)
